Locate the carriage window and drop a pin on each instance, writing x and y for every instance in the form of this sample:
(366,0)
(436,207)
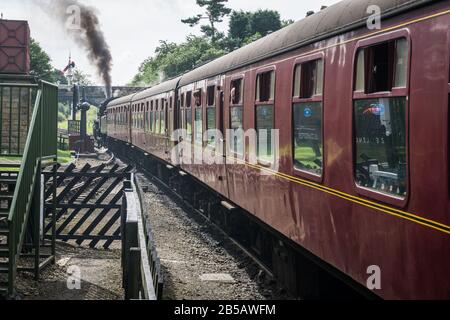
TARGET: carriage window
(236,91)
(146,116)
(309,79)
(157,122)
(380,129)
(188,99)
(401,62)
(382,67)
(264,126)
(182,119)
(237,127)
(265,86)
(211,125)
(198,127)
(308,141)
(198,98)
(211,96)
(359,82)
(182,100)
(163,121)
(189,124)
(152,125)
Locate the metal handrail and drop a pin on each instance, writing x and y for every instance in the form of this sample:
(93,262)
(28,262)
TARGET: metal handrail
(39,144)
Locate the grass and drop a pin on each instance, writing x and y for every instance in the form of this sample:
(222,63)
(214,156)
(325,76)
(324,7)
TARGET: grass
(91,117)
(63,157)
(306,156)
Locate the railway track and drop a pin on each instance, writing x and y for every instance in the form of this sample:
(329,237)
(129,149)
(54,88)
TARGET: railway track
(199,260)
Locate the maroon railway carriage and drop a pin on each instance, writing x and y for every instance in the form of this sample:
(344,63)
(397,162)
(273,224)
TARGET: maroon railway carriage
(118,118)
(362,114)
(153,119)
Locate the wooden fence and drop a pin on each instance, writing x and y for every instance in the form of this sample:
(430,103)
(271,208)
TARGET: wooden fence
(142,276)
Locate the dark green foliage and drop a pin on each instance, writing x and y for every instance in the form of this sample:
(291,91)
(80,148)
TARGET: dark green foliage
(171,59)
(216,10)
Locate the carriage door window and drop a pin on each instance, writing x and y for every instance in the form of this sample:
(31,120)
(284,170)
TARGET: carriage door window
(379,110)
(198,118)
(265,95)
(308,116)
(152,125)
(157,118)
(188,113)
(171,116)
(181,118)
(141,116)
(163,116)
(236,117)
(211,116)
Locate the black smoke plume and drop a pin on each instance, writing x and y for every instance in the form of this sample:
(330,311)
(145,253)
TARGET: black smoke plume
(82,23)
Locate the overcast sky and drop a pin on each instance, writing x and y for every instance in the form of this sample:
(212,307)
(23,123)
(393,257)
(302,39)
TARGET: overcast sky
(133,28)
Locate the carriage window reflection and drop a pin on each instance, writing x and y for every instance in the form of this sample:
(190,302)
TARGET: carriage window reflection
(211,125)
(308,140)
(198,127)
(188,113)
(237,127)
(264,127)
(380,128)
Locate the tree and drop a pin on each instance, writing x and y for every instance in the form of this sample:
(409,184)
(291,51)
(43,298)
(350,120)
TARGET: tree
(265,22)
(216,10)
(287,22)
(172,59)
(246,27)
(81,78)
(41,67)
(40,62)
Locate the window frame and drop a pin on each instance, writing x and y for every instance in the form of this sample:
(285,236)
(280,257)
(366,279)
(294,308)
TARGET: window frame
(235,78)
(315,98)
(214,89)
(259,72)
(241,77)
(397,201)
(257,103)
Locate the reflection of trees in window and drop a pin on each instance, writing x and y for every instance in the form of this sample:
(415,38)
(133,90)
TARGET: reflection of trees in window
(380,128)
(188,112)
(211,125)
(308,142)
(198,126)
(236,144)
(152,125)
(158,123)
(264,126)
(163,121)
